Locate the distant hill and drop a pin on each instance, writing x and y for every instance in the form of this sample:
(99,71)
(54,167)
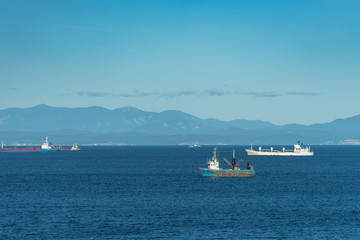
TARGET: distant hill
(129,125)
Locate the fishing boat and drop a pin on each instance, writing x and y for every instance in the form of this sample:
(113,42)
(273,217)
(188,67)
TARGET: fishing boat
(74,147)
(299,150)
(45,147)
(213,169)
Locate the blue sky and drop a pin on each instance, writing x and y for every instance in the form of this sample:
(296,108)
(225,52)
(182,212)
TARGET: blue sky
(278,61)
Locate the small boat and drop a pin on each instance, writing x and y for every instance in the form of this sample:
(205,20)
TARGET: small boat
(214,170)
(45,147)
(299,150)
(75,147)
(193,146)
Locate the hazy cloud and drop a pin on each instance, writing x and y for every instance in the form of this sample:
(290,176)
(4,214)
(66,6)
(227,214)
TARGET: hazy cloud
(94,94)
(260,94)
(208,92)
(143,93)
(303,93)
(215,92)
(180,93)
(125,95)
(136,93)
(197,93)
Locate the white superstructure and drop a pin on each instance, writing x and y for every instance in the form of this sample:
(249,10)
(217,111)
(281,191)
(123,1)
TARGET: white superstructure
(46,145)
(213,163)
(75,147)
(299,150)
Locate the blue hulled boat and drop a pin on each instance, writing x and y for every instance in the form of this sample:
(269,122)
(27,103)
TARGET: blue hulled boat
(214,170)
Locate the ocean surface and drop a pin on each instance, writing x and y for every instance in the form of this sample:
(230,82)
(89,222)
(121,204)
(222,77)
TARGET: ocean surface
(148,192)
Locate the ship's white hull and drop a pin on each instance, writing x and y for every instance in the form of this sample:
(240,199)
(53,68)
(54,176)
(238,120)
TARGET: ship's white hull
(251,152)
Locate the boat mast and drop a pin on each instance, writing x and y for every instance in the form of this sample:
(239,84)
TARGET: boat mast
(233,162)
(214,157)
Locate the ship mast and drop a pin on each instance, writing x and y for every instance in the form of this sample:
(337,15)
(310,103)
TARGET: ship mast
(233,160)
(214,157)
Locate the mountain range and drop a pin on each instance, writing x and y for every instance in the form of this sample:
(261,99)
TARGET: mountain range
(129,125)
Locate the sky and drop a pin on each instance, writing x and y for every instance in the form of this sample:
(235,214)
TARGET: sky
(282,61)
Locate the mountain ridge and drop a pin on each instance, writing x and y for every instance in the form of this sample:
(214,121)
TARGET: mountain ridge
(129,125)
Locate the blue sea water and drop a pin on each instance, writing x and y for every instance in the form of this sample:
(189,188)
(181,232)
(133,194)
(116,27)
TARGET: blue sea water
(147,192)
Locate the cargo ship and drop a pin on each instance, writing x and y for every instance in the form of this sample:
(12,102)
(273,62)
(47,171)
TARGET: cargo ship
(213,169)
(299,150)
(45,147)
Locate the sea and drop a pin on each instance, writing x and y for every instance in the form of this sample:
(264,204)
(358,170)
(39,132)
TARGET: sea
(157,192)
